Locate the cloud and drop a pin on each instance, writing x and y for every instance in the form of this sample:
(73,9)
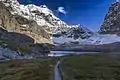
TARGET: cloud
(117,0)
(62,10)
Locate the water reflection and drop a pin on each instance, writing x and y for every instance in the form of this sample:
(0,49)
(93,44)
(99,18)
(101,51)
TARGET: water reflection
(64,53)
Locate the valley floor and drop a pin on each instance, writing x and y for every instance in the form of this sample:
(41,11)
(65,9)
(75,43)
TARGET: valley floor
(91,67)
(73,67)
(27,69)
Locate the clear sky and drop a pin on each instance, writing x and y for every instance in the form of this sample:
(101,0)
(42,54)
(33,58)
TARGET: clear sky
(89,13)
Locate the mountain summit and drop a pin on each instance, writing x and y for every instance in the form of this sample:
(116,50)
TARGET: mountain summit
(42,15)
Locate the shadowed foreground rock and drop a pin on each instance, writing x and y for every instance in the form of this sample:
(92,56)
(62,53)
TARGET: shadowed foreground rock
(20,46)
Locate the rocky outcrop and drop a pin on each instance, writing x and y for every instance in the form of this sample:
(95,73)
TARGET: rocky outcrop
(15,46)
(111,24)
(8,54)
(19,24)
(79,32)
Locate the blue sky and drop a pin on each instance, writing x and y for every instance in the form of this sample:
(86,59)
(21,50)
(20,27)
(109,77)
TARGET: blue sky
(89,13)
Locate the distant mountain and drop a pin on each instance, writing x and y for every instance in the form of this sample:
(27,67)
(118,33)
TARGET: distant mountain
(111,24)
(79,32)
(82,39)
(72,35)
(85,39)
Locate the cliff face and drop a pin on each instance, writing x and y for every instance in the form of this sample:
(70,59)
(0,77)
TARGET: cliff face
(111,24)
(19,24)
(42,15)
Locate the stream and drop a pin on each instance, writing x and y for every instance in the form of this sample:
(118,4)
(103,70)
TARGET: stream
(57,75)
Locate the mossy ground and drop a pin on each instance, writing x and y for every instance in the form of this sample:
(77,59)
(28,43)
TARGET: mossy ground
(25,48)
(91,67)
(27,69)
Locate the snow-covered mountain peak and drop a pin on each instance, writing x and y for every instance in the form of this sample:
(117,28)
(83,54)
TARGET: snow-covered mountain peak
(42,8)
(40,14)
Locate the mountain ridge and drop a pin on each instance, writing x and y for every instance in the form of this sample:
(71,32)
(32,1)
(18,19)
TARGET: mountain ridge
(41,14)
(16,23)
(111,21)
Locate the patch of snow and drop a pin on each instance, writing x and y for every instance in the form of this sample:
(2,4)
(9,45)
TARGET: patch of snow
(96,39)
(104,39)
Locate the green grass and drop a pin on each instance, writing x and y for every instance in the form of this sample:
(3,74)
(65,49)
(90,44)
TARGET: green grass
(10,44)
(25,48)
(90,67)
(27,70)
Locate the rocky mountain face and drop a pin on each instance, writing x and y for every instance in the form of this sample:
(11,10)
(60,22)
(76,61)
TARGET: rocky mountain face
(79,32)
(76,33)
(111,24)
(42,15)
(73,35)
(19,24)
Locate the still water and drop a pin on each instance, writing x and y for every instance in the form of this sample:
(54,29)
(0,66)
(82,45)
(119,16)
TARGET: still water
(64,53)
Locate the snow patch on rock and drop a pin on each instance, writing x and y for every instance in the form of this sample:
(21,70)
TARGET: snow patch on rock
(96,39)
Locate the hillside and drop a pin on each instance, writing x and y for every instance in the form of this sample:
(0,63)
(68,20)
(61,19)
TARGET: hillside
(27,69)
(19,24)
(111,24)
(42,15)
(91,67)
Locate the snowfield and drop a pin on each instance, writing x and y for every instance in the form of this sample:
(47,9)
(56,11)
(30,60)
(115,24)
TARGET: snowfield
(96,39)
(104,39)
